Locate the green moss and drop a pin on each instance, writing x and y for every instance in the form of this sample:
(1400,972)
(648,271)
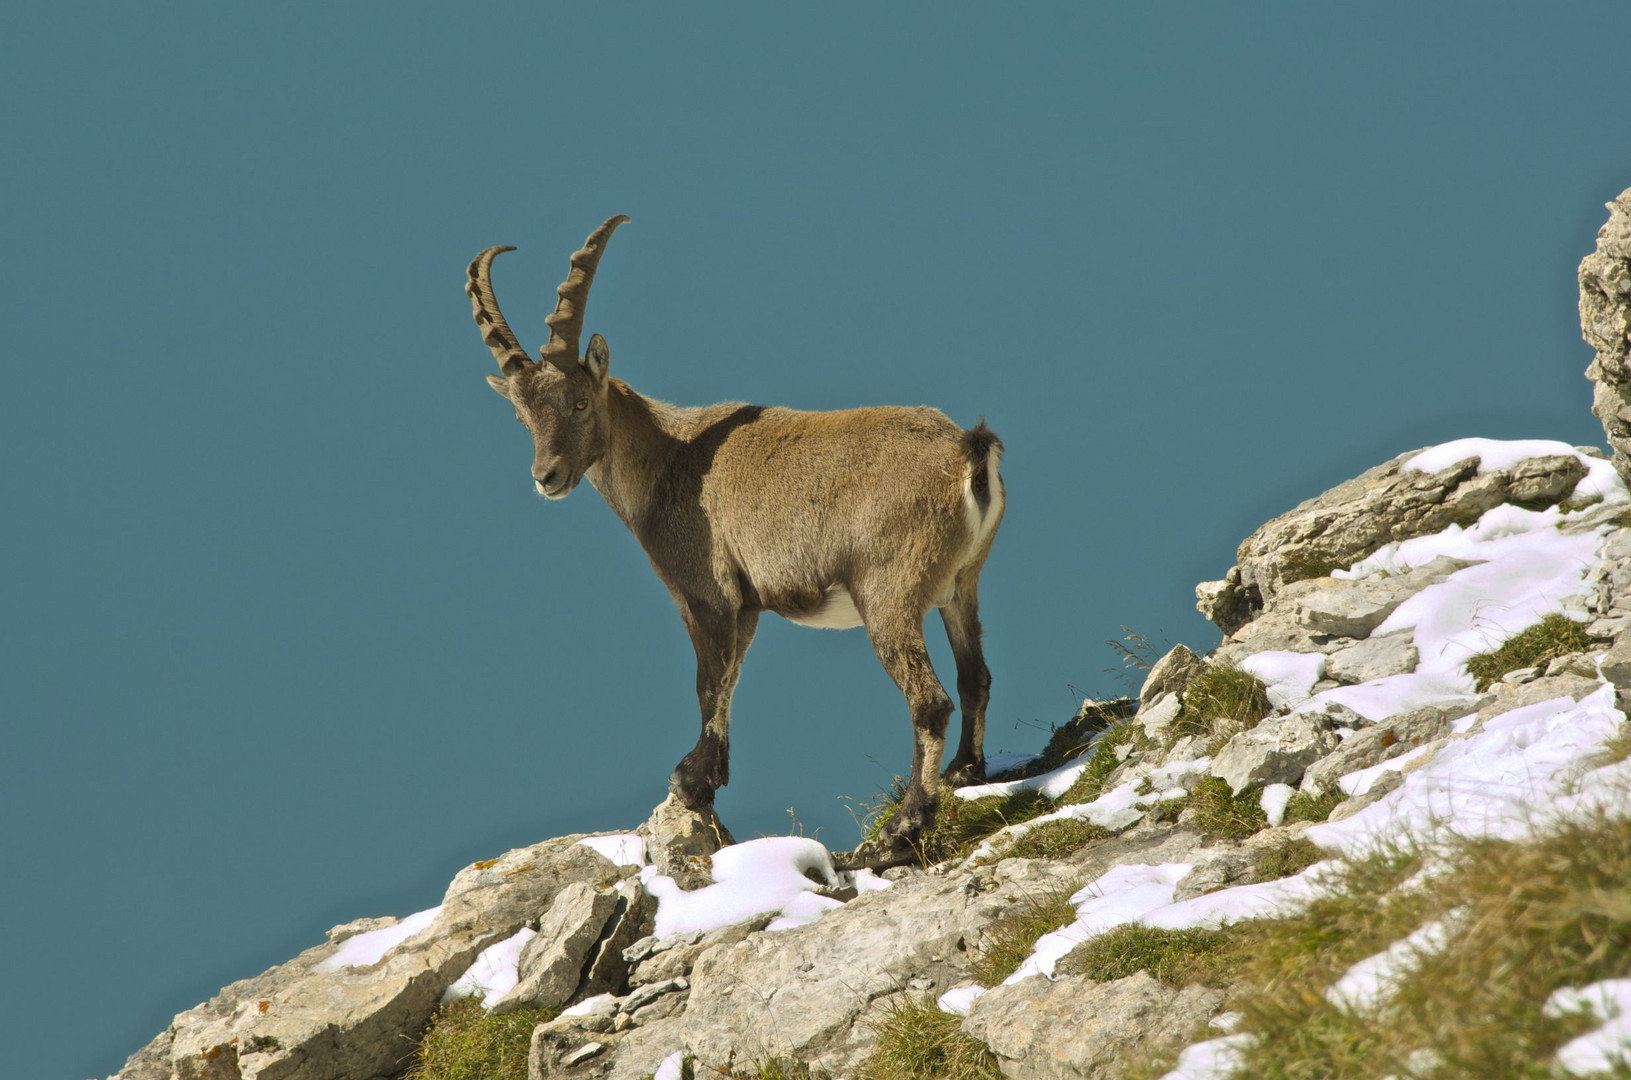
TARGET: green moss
(1554,636)
(466,1042)
(918,1040)
(1221,813)
(1012,937)
(1302,563)
(1054,839)
(1305,807)
(1572,505)
(1176,957)
(1223,700)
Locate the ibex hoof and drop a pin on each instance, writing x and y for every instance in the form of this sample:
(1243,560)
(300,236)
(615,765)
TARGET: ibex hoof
(876,855)
(962,774)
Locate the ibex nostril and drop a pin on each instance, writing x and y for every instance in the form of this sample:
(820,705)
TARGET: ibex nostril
(548,479)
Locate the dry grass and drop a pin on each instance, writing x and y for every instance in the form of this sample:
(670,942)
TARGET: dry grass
(1012,938)
(1529,918)
(1553,636)
(1292,857)
(917,1040)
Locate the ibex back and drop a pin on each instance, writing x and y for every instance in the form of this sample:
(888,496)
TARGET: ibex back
(860,517)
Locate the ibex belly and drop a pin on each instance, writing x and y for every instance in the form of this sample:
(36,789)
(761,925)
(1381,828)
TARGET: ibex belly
(837,611)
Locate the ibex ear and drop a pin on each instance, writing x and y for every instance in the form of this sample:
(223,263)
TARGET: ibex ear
(499,383)
(597,359)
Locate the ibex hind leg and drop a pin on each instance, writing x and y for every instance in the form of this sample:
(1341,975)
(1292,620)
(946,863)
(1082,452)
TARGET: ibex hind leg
(898,641)
(721,642)
(962,619)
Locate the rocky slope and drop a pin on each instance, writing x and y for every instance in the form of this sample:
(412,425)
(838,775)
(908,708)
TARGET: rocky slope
(1351,623)
(806,972)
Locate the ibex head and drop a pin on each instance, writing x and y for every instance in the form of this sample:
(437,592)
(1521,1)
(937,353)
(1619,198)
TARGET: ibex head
(562,399)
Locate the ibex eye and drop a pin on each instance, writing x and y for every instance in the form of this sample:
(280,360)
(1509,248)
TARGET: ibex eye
(582,405)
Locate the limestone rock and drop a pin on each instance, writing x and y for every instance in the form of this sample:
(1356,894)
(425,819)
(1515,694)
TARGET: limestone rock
(1170,674)
(1353,519)
(1605,324)
(551,964)
(1374,658)
(799,992)
(299,1021)
(1158,718)
(1075,1028)
(1276,751)
(1380,742)
(608,971)
(680,841)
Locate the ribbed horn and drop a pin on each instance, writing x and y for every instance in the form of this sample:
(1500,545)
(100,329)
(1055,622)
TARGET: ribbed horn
(495,331)
(566,322)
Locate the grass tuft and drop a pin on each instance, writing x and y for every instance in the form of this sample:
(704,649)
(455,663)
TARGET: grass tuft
(1555,635)
(1292,857)
(1176,957)
(1222,700)
(916,1039)
(1055,839)
(1106,755)
(466,1042)
(1013,937)
(1305,807)
(960,824)
(1072,739)
(1221,813)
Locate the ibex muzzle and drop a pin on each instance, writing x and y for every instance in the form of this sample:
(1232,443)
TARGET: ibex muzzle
(855,517)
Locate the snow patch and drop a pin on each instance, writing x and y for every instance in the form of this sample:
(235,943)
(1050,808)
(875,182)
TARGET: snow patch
(368,949)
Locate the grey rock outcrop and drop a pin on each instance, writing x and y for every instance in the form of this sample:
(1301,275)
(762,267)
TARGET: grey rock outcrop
(1605,323)
(302,1021)
(1276,751)
(552,963)
(1076,1028)
(1374,658)
(1353,519)
(680,841)
(1170,674)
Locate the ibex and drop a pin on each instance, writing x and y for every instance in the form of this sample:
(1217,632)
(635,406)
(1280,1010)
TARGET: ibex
(857,517)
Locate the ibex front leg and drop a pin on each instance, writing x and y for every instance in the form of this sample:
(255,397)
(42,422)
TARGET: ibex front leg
(721,641)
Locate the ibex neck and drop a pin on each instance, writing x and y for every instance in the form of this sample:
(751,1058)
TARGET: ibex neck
(643,437)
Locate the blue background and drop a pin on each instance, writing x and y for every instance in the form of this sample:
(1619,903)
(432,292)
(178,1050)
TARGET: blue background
(287,639)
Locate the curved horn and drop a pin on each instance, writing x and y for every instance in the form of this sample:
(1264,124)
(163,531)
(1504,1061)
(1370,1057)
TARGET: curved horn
(566,322)
(495,331)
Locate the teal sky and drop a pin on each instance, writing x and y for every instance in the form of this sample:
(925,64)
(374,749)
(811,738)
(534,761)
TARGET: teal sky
(288,640)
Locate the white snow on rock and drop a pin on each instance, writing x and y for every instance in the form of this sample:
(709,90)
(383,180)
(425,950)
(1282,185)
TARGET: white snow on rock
(959,999)
(1288,676)
(1121,895)
(1361,781)
(493,974)
(1605,1048)
(1214,1059)
(1274,800)
(1495,455)
(771,874)
(366,950)
(1503,782)
(672,1067)
(1052,784)
(623,849)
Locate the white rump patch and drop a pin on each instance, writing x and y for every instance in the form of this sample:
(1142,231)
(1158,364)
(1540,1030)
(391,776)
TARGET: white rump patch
(979,527)
(837,612)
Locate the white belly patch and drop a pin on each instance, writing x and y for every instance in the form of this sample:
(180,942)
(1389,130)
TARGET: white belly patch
(837,612)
